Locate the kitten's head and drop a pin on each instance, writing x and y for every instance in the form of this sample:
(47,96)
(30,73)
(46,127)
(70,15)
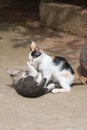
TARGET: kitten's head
(35,50)
(35,53)
(17,74)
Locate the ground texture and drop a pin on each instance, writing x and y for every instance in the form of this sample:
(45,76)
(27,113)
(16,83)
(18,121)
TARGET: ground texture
(64,111)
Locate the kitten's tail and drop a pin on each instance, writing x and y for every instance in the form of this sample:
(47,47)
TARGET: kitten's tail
(80,79)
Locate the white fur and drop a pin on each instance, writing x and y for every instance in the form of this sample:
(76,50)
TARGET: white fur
(44,63)
(33,72)
(38,76)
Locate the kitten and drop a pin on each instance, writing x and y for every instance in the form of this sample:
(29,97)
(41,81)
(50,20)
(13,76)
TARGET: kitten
(55,68)
(26,85)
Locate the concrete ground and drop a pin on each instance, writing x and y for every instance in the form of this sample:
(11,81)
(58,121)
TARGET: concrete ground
(63,111)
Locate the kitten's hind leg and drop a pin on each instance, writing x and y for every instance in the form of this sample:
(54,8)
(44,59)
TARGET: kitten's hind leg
(65,88)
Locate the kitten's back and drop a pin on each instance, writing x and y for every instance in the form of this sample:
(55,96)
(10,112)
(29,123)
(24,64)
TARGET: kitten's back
(65,65)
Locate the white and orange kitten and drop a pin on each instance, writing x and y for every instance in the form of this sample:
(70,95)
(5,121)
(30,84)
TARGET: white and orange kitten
(52,68)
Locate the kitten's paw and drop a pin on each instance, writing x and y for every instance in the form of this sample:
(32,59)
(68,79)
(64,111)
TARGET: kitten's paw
(28,64)
(55,91)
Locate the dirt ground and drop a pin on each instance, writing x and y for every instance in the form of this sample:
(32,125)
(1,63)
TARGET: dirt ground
(52,111)
(64,111)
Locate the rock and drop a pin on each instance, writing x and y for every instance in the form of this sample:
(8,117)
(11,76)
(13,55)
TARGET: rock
(83,60)
(64,17)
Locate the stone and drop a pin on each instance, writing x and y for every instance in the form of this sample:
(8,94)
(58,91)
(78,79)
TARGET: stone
(64,17)
(83,60)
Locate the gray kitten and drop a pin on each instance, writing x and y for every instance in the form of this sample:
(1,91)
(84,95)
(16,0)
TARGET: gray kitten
(25,84)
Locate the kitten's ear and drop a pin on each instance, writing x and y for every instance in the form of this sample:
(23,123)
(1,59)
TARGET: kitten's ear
(32,46)
(12,72)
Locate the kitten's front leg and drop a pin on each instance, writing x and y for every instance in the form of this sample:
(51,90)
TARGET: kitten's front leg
(48,78)
(50,86)
(39,78)
(32,70)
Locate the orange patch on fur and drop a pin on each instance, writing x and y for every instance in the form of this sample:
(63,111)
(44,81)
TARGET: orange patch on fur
(64,75)
(52,57)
